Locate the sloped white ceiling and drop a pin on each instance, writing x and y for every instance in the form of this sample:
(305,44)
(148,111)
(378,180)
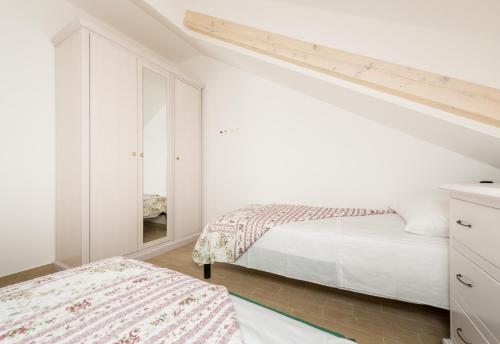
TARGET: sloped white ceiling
(441,15)
(463,44)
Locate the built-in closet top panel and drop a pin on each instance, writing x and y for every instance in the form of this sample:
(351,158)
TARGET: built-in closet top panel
(97,27)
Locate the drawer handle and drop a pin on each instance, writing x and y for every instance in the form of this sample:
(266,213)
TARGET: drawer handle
(459,278)
(461,223)
(459,334)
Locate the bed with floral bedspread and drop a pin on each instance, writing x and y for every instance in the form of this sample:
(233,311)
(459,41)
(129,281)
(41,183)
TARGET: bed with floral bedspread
(154,205)
(117,300)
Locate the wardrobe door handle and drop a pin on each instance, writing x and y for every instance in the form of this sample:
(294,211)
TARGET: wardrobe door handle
(134,154)
(459,278)
(461,223)
(459,334)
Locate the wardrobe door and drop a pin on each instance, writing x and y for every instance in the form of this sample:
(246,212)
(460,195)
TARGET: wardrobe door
(187,112)
(113,150)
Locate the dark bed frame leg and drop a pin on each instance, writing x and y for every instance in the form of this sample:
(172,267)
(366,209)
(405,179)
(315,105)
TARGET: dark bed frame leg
(206,271)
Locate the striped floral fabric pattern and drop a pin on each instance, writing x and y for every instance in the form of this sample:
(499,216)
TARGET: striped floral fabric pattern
(226,238)
(117,301)
(154,205)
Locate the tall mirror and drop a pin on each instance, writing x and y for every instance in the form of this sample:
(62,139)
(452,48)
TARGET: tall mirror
(154,99)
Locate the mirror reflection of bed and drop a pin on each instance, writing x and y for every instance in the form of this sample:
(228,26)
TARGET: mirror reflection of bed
(155,217)
(155,156)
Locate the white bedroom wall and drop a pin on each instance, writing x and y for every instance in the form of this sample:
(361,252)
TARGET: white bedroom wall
(289,147)
(27,131)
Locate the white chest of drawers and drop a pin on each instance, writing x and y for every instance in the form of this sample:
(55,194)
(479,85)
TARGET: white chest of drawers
(475,263)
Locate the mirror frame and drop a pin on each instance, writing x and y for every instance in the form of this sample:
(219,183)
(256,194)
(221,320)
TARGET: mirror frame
(141,64)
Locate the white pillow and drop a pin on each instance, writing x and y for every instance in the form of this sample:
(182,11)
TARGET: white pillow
(425,215)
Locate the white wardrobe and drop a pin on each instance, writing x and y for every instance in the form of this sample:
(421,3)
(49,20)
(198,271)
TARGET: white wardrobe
(128,149)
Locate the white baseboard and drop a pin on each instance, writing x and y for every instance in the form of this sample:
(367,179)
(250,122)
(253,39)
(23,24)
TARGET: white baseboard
(447,341)
(147,253)
(61,266)
(152,251)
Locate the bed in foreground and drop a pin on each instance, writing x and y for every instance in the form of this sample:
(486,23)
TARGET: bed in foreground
(121,300)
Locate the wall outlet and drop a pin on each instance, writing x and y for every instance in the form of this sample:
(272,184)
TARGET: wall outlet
(228,131)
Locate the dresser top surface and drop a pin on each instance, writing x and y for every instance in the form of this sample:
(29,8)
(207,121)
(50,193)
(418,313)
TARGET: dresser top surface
(480,189)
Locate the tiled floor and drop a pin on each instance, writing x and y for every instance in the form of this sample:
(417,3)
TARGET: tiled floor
(27,275)
(154,230)
(367,319)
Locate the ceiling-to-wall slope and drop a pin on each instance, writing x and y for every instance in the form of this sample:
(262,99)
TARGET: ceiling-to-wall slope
(453,136)
(396,42)
(459,97)
(282,145)
(459,39)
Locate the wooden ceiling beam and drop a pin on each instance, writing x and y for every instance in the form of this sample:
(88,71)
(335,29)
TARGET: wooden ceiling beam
(473,101)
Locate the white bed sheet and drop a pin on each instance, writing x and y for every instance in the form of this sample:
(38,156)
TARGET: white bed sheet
(260,325)
(368,254)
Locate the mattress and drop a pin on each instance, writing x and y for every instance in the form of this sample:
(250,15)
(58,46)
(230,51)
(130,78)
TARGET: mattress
(368,254)
(260,325)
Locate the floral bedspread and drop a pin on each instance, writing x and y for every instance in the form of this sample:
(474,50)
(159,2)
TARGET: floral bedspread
(117,300)
(154,205)
(226,238)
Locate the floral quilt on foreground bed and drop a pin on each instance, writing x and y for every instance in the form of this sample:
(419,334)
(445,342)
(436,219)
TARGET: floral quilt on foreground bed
(117,301)
(226,238)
